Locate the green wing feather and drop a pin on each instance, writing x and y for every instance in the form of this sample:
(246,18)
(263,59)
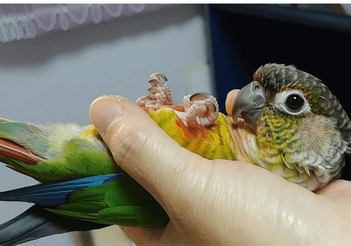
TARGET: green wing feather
(58,150)
(122,202)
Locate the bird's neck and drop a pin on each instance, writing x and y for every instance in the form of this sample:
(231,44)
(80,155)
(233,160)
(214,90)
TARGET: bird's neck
(272,147)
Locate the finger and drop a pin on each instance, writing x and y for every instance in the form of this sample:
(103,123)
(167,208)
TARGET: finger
(145,151)
(231,96)
(338,190)
(143,236)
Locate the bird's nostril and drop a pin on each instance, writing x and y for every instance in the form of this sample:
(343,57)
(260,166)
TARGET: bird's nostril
(256,86)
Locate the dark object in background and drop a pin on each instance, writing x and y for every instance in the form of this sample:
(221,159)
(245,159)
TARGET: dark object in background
(245,37)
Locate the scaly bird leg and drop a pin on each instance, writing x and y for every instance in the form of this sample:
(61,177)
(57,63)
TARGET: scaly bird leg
(159,93)
(201,109)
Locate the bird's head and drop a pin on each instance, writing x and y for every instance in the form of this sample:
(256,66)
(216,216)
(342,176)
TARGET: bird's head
(297,118)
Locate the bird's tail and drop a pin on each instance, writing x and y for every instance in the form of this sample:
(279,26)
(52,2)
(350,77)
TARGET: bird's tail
(36,223)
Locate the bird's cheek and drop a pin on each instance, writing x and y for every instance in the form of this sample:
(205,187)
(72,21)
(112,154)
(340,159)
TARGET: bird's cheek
(264,135)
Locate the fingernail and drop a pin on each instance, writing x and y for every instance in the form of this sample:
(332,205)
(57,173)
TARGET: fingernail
(231,96)
(104,110)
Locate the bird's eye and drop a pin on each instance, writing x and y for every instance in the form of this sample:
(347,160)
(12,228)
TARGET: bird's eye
(294,102)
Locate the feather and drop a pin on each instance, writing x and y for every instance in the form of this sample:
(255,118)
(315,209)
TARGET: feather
(15,151)
(36,223)
(55,194)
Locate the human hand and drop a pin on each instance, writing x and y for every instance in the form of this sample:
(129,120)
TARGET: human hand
(217,202)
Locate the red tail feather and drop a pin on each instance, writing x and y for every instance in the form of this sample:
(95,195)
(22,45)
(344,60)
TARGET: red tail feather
(9,149)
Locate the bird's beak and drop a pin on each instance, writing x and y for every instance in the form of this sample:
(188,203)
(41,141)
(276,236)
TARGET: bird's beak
(249,103)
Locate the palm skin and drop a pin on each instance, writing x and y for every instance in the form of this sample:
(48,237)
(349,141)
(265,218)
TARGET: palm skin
(240,143)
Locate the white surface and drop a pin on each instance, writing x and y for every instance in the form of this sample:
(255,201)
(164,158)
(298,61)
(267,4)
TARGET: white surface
(55,77)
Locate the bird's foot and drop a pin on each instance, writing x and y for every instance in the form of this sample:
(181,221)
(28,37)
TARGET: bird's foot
(159,93)
(201,109)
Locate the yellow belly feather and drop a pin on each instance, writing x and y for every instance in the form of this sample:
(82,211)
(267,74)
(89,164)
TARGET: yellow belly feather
(210,142)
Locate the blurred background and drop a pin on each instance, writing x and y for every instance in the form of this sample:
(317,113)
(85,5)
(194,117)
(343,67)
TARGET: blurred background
(56,59)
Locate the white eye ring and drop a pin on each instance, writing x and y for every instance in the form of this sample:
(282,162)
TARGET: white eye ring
(280,102)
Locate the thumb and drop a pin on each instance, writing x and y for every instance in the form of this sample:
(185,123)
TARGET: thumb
(231,96)
(144,150)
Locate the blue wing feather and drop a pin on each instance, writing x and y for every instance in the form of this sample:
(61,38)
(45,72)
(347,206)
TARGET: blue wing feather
(55,194)
(37,222)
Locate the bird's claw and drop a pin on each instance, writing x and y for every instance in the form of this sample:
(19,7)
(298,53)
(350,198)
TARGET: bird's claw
(159,93)
(200,109)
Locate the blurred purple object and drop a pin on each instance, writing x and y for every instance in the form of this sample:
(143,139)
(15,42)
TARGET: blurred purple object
(23,21)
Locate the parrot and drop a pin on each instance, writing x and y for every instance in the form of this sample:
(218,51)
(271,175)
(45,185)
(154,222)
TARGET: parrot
(286,121)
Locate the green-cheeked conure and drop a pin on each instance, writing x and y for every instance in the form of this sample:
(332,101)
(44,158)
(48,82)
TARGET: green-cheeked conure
(285,121)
